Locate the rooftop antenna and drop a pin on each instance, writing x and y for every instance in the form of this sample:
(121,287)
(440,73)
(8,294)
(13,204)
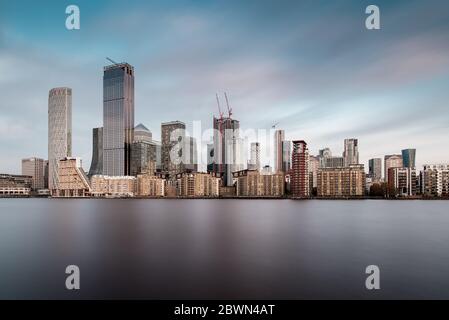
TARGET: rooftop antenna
(109,59)
(227,104)
(218,104)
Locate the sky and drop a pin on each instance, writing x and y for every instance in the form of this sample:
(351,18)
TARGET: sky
(310,66)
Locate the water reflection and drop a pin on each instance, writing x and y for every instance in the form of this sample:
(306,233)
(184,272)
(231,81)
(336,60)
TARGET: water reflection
(181,249)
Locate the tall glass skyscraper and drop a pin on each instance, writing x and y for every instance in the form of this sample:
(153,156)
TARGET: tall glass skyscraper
(59,132)
(408,158)
(118,119)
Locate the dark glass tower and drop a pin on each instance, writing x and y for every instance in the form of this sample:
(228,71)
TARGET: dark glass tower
(118,119)
(375,168)
(408,158)
(96,166)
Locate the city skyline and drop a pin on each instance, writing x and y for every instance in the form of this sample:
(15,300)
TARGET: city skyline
(386,110)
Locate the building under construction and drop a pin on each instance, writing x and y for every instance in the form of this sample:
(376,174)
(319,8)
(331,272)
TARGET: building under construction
(227,144)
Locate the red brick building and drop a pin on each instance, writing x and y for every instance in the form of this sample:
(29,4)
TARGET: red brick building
(300,170)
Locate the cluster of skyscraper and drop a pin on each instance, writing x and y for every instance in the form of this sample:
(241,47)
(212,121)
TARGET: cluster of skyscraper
(127,161)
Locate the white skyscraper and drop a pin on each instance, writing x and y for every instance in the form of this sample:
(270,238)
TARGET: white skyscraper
(254,161)
(278,150)
(59,132)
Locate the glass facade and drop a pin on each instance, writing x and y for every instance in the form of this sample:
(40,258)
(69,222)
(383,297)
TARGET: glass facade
(172,133)
(375,169)
(142,153)
(118,119)
(351,152)
(408,158)
(96,166)
(286,156)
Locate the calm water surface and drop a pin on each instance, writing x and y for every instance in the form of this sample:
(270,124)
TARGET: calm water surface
(233,249)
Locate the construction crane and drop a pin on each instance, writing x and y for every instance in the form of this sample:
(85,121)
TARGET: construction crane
(274,125)
(227,104)
(109,59)
(218,104)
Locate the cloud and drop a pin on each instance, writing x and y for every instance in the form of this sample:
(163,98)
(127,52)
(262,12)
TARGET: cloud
(309,65)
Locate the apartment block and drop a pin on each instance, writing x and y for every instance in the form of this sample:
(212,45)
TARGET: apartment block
(113,186)
(341,182)
(149,185)
(252,183)
(435,180)
(402,181)
(198,184)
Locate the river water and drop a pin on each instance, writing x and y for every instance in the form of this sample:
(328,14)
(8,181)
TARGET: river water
(223,249)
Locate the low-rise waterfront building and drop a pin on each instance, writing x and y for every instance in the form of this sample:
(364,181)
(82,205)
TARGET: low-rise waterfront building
(227,191)
(73,181)
(435,180)
(402,182)
(150,185)
(171,188)
(15,185)
(198,184)
(113,186)
(341,182)
(252,183)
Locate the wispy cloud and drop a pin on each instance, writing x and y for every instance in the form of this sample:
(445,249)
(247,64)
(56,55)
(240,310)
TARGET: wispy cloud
(309,65)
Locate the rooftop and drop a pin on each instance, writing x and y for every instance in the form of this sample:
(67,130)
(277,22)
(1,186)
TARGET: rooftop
(141,127)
